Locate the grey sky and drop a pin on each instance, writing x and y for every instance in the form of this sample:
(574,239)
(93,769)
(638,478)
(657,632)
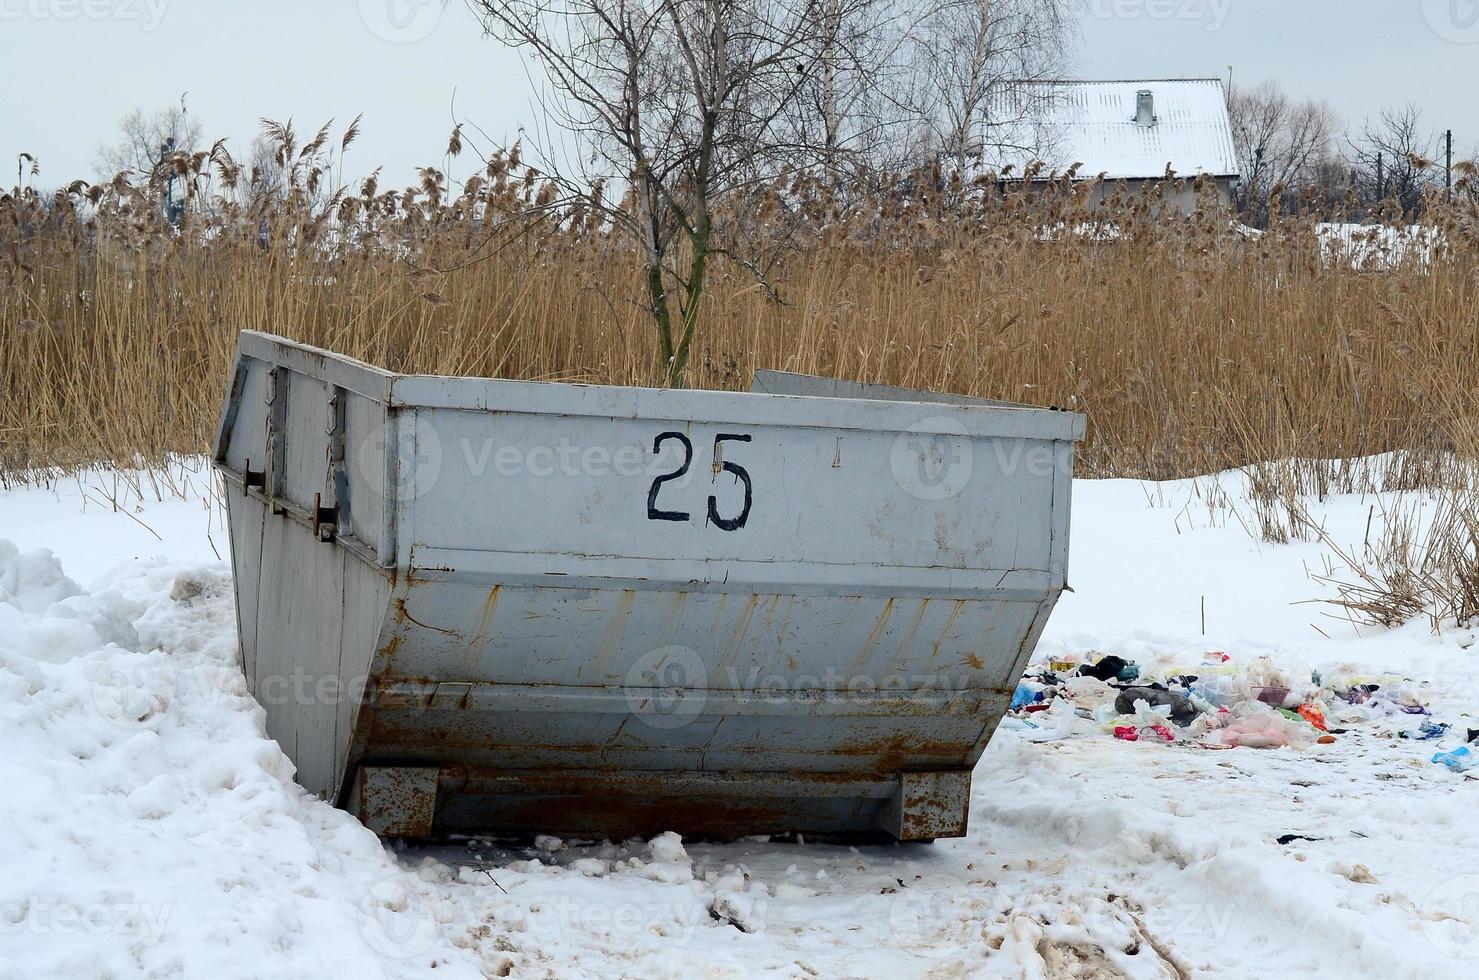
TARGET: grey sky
(73,67)
(1358,55)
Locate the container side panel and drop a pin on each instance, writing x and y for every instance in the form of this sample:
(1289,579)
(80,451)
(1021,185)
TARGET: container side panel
(789,383)
(366,597)
(315,642)
(274,661)
(245,517)
(364,456)
(907,507)
(249,433)
(306,448)
(573,732)
(728,407)
(454,631)
(298,678)
(1062,511)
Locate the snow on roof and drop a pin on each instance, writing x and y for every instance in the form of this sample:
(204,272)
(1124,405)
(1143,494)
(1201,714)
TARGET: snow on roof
(1094,123)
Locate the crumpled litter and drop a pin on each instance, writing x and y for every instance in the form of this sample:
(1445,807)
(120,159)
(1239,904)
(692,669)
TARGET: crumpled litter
(1273,696)
(1223,704)
(1458,760)
(1220,690)
(1054,723)
(1261,727)
(1427,732)
(1025,695)
(1107,668)
(1178,707)
(1314,713)
(1133,733)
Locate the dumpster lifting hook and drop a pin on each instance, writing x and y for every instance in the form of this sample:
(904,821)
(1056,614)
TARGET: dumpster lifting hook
(325,519)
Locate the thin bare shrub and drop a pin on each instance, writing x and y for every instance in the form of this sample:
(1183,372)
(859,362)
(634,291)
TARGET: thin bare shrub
(1273,495)
(1423,559)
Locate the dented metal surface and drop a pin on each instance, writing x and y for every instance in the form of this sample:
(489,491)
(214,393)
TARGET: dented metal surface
(513,606)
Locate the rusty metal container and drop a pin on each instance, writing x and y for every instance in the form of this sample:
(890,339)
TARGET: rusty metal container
(473,605)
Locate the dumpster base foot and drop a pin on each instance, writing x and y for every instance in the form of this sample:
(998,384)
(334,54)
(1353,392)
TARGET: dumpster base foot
(928,805)
(396,801)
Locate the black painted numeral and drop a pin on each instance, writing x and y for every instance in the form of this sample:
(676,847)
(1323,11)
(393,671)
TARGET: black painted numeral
(653,514)
(743,475)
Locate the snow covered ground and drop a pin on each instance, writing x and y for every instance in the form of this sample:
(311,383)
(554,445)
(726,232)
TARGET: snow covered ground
(150,829)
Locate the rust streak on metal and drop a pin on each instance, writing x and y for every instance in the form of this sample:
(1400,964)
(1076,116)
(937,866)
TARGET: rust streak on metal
(770,608)
(611,639)
(404,614)
(719,608)
(949,628)
(907,639)
(485,618)
(737,637)
(674,619)
(861,663)
(386,654)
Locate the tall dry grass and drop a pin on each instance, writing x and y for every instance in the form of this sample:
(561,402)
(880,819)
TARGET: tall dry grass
(1192,345)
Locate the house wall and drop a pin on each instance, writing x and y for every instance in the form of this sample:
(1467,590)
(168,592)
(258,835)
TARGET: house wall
(1183,200)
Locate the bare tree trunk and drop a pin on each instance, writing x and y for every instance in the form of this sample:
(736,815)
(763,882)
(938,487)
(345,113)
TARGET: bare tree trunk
(973,93)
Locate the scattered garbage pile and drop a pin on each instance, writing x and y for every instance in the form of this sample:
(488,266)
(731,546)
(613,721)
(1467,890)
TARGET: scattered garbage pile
(1223,704)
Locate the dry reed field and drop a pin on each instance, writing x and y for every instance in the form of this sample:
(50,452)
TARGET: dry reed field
(1193,344)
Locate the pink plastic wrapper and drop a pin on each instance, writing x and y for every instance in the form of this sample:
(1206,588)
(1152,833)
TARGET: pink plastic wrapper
(1266,729)
(1253,736)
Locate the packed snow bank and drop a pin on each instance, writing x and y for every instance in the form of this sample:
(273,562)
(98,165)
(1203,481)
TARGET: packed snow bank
(153,830)
(150,828)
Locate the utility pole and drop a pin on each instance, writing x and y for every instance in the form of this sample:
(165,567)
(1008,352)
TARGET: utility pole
(165,149)
(173,210)
(1448,166)
(1380,181)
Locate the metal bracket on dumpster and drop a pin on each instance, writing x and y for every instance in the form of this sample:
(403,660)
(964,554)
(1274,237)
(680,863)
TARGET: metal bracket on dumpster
(928,805)
(395,801)
(325,519)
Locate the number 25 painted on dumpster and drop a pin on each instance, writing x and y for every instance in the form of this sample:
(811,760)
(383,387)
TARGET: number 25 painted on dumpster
(654,513)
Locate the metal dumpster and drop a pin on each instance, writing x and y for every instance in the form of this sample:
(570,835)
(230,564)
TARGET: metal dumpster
(486,606)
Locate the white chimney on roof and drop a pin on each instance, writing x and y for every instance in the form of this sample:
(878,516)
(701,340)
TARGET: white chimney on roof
(1144,108)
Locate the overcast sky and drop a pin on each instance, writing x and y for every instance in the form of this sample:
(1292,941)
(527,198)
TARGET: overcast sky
(72,68)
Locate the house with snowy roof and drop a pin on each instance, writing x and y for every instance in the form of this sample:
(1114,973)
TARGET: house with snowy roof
(1129,133)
